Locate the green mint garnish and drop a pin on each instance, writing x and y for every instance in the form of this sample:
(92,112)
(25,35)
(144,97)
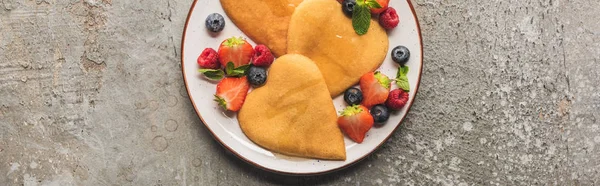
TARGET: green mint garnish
(230,70)
(212,74)
(402,78)
(361,16)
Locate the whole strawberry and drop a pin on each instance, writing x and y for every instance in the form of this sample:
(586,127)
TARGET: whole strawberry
(397,99)
(236,50)
(262,56)
(231,93)
(356,121)
(209,59)
(388,19)
(375,87)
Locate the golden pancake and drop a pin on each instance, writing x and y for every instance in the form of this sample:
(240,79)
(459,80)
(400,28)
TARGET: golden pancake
(320,31)
(264,21)
(293,113)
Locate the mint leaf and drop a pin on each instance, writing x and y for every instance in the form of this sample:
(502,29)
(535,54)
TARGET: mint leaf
(373,4)
(361,18)
(212,74)
(229,68)
(240,71)
(402,78)
(402,71)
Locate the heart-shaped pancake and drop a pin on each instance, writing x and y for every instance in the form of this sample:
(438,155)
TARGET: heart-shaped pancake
(293,113)
(320,31)
(264,21)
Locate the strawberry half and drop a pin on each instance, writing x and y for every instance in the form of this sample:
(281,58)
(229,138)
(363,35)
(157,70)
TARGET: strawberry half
(356,122)
(231,93)
(236,50)
(375,87)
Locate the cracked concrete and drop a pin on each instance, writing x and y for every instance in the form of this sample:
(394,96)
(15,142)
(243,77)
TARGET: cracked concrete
(91,94)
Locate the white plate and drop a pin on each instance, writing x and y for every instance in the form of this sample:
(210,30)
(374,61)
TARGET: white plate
(226,128)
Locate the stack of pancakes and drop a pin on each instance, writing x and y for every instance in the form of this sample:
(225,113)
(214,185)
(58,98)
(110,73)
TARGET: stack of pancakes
(320,56)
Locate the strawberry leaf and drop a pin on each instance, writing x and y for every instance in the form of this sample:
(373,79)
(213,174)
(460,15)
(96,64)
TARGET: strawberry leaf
(221,102)
(351,110)
(373,4)
(361,18)
(383,79)
(402,78)
(212,74)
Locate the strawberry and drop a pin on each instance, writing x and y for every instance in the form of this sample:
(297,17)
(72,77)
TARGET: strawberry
(236,50)
(231,93)
(375,87)
(356,122)
(384,5)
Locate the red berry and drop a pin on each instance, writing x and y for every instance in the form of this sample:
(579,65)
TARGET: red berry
(397,99)
(236,50)
(375,87)
(209,59)
(356,121)
(389,18)
(231,93)
(262,56)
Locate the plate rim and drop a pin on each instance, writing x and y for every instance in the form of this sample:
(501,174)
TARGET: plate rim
(214,136)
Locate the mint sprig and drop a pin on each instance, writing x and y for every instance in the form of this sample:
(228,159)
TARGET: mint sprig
(361,15)
(230,70)
(212,74)
(402,78)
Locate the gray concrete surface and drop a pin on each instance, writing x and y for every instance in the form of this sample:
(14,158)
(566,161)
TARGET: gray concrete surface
(91,94)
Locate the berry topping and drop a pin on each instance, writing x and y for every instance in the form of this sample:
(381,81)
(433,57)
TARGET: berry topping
(355,121)
(209,59)
(380,113)
(375,87)
(257,76)
(388,19)
(384,5)
(400,55)
(262,56)
(235,50)
(231,93)
(215,22)
(397,99)
(348,7)
(353,96)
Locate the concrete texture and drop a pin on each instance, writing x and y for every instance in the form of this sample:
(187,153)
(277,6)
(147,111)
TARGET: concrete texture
(91,94)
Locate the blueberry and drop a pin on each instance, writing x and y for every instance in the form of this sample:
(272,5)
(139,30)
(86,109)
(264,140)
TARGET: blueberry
(380,114)
(353,96)
(215,22)
(257,76)
(400,55)
(348,7)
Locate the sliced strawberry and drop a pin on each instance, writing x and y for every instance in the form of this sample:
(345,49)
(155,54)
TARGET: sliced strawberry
(375,87)
(236,50)
(356,122)
(231,93)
